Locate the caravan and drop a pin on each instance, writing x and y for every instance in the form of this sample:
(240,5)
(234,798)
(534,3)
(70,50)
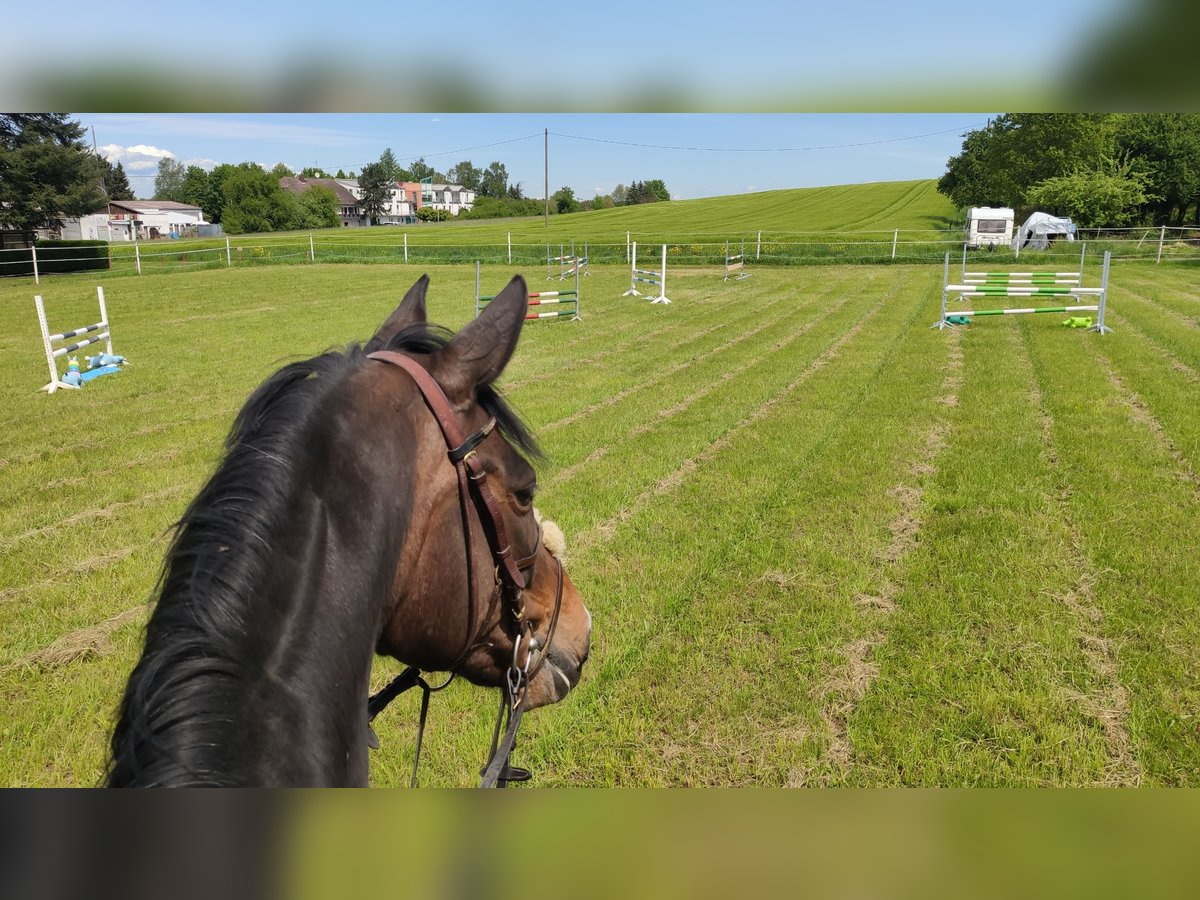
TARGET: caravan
(988,226)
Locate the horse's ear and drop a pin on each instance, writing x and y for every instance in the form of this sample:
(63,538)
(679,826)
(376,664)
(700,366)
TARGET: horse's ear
(478,354)
(411,311)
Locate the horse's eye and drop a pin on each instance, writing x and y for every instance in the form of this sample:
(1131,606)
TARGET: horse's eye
(524,496)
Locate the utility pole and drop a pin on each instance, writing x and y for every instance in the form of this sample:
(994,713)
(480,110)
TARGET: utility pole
(546,183)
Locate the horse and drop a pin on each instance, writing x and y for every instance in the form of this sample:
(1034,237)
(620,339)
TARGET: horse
(348,517)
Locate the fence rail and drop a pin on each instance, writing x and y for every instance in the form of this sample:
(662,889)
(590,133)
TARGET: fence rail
(764,248)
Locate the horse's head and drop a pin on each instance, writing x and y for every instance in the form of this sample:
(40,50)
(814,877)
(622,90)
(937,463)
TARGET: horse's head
(449,606)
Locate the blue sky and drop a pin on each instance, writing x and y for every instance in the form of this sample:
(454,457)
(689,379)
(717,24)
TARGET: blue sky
(730,153)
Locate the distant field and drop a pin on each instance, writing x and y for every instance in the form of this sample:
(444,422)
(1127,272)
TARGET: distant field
(696,229)
(822,543)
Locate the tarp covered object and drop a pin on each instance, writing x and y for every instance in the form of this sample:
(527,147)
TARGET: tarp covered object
(1040,229)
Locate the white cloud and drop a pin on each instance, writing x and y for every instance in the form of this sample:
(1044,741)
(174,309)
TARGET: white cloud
(139,157)
(203,162)
(147,150)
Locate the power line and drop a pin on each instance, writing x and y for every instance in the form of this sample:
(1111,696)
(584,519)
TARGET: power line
(911,137)
(413,158)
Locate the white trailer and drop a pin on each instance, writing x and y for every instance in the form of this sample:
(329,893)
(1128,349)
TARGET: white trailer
(989,226)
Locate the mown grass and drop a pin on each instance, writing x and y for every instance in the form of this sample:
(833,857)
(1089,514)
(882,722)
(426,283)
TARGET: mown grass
(822,543)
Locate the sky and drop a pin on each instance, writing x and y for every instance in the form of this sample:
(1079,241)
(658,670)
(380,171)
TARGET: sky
(618,56)
(696,154)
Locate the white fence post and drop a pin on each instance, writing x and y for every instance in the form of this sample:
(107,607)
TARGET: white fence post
(33,252)
(1161,236)
(510,248)
(228,255)
(406,247)
(312,252)
(627,246)
(895,238)
(758,245)
(137,258)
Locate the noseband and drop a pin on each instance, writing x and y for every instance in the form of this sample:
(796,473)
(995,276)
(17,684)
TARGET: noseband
(510,583)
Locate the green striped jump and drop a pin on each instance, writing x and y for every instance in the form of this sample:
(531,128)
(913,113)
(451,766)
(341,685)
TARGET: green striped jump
(1039,309)
(1002,291)
(536,294)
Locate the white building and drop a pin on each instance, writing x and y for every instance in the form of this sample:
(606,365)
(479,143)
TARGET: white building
(141,220)
(451,197)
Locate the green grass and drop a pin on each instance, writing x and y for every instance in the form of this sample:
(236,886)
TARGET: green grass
(822,543)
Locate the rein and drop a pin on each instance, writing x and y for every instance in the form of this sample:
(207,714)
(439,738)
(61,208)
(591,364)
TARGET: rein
(511,582)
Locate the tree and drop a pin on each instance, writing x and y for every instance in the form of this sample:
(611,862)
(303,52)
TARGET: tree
(168,184)
(515,192)
(195,187)
(391,167)
(1165,148)
(1107,198)
(340,174)
(376,187)
(651,191)
(619,195)
(494,181)
(46,171)
(465,174)
(248,191)
(657,189)
(1000,163)
(282,171)
(313,172)
(116,182)
(421,169)
(564,200)
(602,201)
(214,206)
(432,214)
(320,208)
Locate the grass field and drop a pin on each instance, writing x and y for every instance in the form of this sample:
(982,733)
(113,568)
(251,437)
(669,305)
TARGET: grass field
(822,543)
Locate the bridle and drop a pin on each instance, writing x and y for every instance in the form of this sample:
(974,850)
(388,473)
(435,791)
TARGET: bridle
(511,580)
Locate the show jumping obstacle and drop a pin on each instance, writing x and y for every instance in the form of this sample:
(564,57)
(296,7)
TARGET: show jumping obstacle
(1025,284)
(648,276)
(567,265)
(48,341)
(569,299)
(736,264)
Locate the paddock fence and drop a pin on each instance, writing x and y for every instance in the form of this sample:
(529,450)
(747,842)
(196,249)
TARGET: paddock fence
(763,247)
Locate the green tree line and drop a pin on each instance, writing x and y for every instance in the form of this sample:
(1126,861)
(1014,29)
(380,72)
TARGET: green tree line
(1101,169)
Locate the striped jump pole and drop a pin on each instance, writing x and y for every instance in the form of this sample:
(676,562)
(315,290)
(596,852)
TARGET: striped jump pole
(1046,277)
(538,298)
(648,276)
(49,340)
(736,263)
(1023,284)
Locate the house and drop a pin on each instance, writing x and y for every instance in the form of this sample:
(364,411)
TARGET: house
(344,190)
(143,220)
(404,199)
(451,197)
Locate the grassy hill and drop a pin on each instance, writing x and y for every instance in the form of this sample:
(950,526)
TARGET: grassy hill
(792,223)
(850,207)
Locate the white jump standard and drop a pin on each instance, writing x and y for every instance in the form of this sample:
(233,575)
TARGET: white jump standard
(567,265)
(736,264)
(48,341)
(648,276)
(1030,285)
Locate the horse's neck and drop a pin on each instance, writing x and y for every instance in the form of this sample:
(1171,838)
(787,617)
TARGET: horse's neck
(325,601)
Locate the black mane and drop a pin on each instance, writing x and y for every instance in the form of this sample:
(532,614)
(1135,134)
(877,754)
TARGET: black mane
(207,629)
